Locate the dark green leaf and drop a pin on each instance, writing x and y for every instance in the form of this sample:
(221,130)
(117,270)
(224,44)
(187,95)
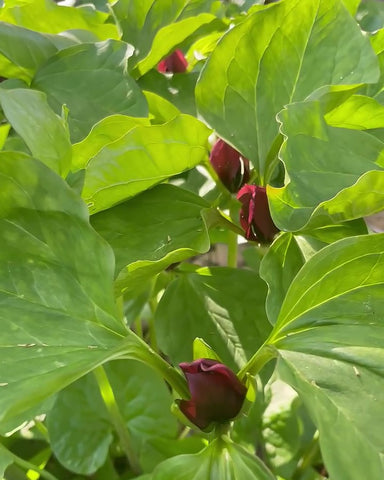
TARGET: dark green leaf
(25,49)
(92,81)
(161,226)
(223,306)
(57,308)
(80,437)
(278,268)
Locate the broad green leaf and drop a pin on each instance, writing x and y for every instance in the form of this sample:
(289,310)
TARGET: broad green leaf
(223,306)
(178,89)
(140,20)
(358,112)
(172,36)
(330,339)
(267,62)
(57,311)
(144,157)
(148,233)
(47,17)
(80,429)
(332,174)
(160,109)
(103,133)
(23,48)
(222,459)
(278,268)
(91,79)
(42,130)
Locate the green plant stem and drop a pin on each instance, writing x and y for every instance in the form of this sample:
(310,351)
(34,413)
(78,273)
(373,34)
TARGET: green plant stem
(151,325)
(117,418)
(136,349)
(25,465)
(257,362)
(308,458)
(232,249)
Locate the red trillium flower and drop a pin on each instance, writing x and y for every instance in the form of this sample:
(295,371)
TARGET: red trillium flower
(217,395)
(175,63)
(255,217)
(230,166)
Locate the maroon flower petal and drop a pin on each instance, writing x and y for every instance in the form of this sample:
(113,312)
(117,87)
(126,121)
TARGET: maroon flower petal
(230,166)
(217,395)
(175,63)
(255,216)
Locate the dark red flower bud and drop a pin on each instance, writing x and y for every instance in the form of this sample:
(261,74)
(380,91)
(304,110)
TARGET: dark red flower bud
(175,63)
(230,166)
(255,217)
(217,395)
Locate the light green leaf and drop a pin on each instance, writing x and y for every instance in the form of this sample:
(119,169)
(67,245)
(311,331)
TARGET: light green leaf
(330,338)
(103,133)
(140,20)
(91,79)
(171,36)
(278,268)
(4,130)
(358,112)
(142,158)
(47,17)
(332,174)
(267,62)
(57,311)
(224,306)
(80,437)
(23,48)
(42,130)
(160,109)
(148,233)
(221,459)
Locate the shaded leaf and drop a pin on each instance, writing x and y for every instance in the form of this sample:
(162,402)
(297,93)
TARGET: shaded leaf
(92,81)
(80,437)
(278,268)
(148,233)
(23,48)
(57,308)
(223,306)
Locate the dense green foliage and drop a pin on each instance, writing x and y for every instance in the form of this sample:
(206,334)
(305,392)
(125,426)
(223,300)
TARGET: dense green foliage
(110,210)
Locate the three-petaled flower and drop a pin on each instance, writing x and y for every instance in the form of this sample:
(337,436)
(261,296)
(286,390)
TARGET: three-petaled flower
(217,395)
